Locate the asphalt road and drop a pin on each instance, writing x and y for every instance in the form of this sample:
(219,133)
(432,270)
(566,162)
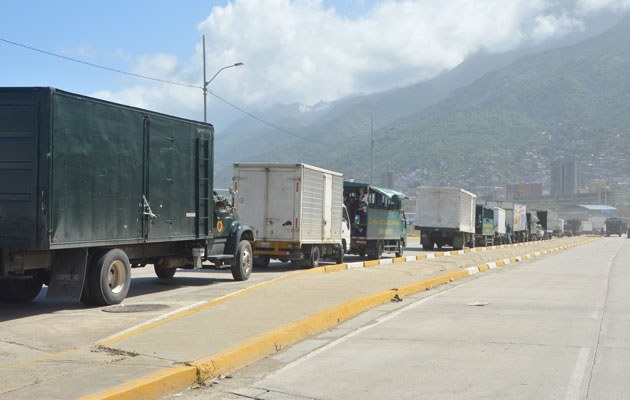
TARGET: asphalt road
(554,327)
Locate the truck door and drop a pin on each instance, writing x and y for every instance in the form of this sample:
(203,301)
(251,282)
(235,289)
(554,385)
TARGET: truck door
(158,193)
(18,172)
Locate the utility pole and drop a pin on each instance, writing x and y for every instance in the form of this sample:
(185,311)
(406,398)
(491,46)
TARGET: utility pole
(371,148)
(206,83)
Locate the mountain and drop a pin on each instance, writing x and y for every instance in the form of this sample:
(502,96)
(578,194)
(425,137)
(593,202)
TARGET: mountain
(490,121)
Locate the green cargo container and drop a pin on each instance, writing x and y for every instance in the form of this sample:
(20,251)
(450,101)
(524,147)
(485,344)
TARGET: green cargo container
(379,222)
(86,182)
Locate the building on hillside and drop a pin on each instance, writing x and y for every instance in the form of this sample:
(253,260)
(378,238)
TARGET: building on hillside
(387,180)
(567,178)
(522,191)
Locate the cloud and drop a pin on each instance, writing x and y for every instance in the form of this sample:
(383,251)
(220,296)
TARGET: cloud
(304,51)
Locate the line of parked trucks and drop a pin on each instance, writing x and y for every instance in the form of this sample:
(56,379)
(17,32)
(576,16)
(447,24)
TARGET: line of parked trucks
(451,216)
(91,189)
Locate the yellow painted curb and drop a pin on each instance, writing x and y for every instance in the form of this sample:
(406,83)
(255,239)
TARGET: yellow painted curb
(438,254)
(483,267)
(500,263)
(371,263)
(399,259)
(512,259)
(156,385)
(336,267)
(454,252)
(421,257)
(466,250)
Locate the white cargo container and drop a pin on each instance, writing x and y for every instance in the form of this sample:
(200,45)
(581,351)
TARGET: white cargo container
(500,234)
(445,216)
(296,209)
(515,216)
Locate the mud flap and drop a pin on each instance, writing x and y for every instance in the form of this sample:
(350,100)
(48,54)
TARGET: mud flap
(68,274)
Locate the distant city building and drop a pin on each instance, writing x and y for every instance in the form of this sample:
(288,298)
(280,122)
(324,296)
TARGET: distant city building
(566,178)
(521,191)
(387,180)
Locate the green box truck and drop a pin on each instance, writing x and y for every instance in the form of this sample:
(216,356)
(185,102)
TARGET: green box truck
(90,188)
(378,220)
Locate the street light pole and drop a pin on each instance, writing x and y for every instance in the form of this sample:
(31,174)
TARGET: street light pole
(206,83)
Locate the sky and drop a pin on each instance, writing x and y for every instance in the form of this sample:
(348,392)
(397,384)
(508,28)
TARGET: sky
(299,51)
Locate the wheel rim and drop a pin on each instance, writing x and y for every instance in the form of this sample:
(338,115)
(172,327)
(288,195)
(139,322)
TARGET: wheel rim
(246,261)
(116,276)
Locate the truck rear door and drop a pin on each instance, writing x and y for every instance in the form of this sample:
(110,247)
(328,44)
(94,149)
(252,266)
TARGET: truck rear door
(18,172)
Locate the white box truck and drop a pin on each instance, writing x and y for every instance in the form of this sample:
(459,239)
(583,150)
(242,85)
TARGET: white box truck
(500,234)
(297,211)
(515,217)
(445,216)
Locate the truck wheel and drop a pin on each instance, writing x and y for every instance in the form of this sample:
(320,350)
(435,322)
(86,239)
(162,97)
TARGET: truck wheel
(23,290)
(377,252)
(261,260)
(109,278)
(314,259)
(164,273)
(399,249)
(361,252)
(242,267)
(339,258)
(458,241)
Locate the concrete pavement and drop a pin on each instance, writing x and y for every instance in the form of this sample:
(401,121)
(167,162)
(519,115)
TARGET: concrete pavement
(166,352)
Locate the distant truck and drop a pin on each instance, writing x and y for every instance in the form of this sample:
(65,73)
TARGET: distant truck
(297,211)
(500,233)
(515,216)
(572,227)
(91,188)
(445,216)
(484,226)
(378,220)
(586,227)
(614,226)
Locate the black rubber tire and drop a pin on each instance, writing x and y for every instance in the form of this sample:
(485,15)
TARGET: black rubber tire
(313,260)
(427,246)
(243,262)
(361,253)
(261,260)
(23,290)
(377,252)
(109,278)
(340,253)
(399,249)
(164,273)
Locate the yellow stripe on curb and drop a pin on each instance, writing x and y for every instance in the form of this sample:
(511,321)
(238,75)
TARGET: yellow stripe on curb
(483,267)
(371,263)
(159,384)
(421,257)
(399,259)
(500,263)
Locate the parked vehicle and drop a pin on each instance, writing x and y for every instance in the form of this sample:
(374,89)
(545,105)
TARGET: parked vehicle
(548,221)
(378,220)
(500,233)
(515,216)
(572,227)
(92,188)
(614,227)
(558,230)
(297,211)
(586,227)
(445,216)
(534,231)
(484,226)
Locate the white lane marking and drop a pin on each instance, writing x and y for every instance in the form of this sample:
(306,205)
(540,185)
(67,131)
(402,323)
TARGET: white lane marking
(473,270)
(386,261)
(354,265)
(410,258)
(376,322)
(492,265)
(573,391)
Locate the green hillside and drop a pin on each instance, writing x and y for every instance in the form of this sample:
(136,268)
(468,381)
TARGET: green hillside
(505,127)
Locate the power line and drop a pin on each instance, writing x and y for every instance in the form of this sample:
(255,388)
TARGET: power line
(99,66)
(164,81)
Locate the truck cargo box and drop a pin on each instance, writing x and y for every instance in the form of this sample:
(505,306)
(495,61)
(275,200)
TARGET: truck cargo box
(290,202)
(445,208)
(516,214)
(79,172)
(499,220)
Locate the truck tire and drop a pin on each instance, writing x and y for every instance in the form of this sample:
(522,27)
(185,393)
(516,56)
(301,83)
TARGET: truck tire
(399,249)
(109,278)
(458,241)
(314,258)
(164,273)
(340,254)
(242,266)
(21,291)
(376,252)
(261,260)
